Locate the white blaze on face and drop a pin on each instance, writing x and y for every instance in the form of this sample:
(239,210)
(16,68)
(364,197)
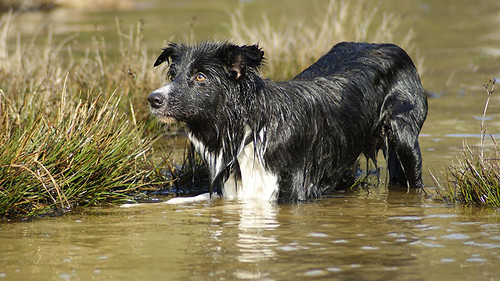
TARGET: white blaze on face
(165,92)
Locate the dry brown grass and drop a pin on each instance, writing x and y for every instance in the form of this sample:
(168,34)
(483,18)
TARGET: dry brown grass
(292,46)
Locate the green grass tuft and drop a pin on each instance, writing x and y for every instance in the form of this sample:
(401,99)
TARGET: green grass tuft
(475,178)
(86,155)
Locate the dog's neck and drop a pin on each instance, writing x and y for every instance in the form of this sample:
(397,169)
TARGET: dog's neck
(218,144)
(205,133)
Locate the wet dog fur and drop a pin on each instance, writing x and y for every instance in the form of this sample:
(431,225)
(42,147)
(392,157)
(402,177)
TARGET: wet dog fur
(297,139)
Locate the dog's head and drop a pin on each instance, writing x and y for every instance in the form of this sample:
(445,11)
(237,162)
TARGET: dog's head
(201,78)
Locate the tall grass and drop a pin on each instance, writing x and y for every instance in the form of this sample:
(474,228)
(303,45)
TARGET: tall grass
(39,69)
(475,176)
(291,46)
(69,132)
(84,155)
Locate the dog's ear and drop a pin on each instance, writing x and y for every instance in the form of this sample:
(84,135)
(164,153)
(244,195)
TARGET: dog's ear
(254,56)
(238,58)
(167,53)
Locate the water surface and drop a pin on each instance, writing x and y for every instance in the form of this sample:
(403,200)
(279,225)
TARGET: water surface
(382,235)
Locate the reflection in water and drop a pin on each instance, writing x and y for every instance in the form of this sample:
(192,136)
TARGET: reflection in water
(255,238)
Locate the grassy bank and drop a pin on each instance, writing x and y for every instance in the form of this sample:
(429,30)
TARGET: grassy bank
(74,130)
(85,154)
(474,178)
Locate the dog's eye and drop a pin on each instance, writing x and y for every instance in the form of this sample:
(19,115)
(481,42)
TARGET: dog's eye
(171,74)
(200,77)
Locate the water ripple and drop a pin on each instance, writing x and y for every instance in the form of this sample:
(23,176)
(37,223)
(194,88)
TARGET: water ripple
(340,241)
(406,218)
(427,244)
(483,245)
(442,216)
(317,234)
(455,236)
(476,260)
(315,272)
(288,248)
(370,248)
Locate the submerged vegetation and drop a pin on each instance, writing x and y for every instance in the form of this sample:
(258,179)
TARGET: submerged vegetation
(475,176)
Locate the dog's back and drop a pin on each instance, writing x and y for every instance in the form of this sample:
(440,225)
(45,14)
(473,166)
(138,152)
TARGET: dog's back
(347,57)
(403,109)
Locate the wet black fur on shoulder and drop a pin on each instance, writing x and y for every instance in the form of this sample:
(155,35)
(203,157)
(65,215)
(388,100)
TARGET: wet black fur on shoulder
(358,98)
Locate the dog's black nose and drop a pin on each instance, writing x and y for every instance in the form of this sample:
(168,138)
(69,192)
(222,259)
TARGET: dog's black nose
(156,100)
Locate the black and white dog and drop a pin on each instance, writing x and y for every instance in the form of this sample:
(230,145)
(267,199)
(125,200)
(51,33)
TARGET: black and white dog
(297,139)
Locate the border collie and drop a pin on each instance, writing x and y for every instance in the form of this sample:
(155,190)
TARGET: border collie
(297,139)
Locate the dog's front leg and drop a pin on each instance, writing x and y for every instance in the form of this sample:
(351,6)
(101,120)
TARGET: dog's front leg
(184,200)
(178,200)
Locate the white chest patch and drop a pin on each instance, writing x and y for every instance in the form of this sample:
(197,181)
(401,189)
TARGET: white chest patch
(256,182)
(213,159)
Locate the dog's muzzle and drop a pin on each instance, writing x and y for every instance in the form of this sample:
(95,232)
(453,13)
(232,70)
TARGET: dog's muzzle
(156,100)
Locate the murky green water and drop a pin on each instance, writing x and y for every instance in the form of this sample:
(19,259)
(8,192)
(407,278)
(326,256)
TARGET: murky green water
(377,235)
